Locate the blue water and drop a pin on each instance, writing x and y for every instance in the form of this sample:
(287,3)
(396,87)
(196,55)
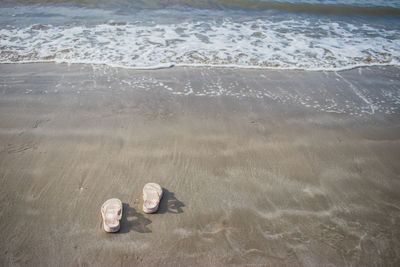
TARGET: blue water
(311,35)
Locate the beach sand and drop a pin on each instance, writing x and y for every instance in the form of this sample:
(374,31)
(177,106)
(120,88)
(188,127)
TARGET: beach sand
(258,166)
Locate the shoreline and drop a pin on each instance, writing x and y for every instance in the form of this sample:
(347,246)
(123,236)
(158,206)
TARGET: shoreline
(352,91)
(251,174)
(216,66)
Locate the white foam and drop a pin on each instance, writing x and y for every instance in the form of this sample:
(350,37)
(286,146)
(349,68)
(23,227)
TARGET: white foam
(289,44)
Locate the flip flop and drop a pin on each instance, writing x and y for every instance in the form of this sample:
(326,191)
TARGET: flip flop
(111,211)
(152,194)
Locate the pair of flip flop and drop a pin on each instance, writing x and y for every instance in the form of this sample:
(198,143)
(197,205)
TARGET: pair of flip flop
(111,210)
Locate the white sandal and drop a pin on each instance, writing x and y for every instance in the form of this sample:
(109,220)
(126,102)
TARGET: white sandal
(111,211)
(152,194)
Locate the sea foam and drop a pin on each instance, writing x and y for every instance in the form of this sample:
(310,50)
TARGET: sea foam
(261,43)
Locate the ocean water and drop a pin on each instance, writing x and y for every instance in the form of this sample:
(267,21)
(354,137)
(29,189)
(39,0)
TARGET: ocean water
(284,34)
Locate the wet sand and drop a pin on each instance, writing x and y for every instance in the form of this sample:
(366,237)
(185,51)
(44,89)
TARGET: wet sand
(257,166)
